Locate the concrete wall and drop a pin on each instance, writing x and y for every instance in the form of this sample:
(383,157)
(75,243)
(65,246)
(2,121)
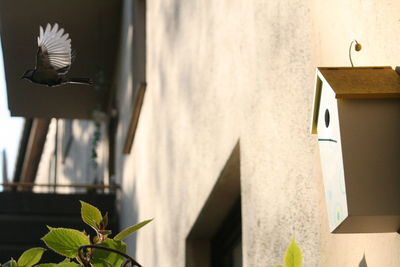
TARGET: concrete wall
(223,71)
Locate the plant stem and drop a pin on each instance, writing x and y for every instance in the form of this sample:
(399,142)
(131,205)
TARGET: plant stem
(129,259)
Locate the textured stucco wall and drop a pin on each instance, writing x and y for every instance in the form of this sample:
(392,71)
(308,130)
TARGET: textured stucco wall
(219,71)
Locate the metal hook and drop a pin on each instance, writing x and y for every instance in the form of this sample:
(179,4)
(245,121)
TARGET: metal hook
(357,47)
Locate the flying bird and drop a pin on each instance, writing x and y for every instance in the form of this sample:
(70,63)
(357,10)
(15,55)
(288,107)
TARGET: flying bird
(53,59)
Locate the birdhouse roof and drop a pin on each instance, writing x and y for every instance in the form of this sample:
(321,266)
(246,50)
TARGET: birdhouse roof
(355,83)
(362,82)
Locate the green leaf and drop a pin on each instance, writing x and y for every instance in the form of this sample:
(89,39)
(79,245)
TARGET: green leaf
(102,257)
(67,264)
(65,241)
(91,215)
(66,260)
(61,264)
(130,230)
(30,257)
(293,256)
(10,263)
(104,222)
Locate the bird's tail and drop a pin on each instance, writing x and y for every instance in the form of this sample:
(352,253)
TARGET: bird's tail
(86,81)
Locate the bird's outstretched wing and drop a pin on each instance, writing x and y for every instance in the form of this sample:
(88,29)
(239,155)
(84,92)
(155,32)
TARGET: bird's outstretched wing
(54,49)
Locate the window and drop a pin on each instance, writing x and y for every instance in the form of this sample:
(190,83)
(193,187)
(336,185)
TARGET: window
(226,245)
(215,239)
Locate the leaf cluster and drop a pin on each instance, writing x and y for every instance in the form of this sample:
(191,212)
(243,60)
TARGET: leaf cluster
(79,248)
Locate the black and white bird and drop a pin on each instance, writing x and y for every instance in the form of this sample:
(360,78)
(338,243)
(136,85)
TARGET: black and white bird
(53,59)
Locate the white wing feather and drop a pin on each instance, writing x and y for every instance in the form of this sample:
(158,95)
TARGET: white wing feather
(57,44)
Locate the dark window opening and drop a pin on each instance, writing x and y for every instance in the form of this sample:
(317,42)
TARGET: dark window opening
(226,245)
(216,236)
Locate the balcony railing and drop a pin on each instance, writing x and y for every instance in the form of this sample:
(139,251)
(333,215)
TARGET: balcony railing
(25,215)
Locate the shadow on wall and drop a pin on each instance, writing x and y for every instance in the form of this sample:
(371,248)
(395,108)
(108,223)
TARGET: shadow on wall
(363,262)
(129,213)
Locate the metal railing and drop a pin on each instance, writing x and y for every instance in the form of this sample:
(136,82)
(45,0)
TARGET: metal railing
(25,186)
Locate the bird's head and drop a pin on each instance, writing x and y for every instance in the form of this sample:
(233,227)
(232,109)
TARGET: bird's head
(28,74)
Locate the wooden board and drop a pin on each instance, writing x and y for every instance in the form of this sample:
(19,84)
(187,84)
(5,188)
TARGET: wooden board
(130,136)
(362,82)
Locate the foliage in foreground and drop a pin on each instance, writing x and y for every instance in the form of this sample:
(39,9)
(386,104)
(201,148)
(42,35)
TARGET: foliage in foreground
(79,248)
(293,256)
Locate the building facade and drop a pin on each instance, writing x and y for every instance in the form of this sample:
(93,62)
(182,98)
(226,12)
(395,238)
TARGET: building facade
(227,91)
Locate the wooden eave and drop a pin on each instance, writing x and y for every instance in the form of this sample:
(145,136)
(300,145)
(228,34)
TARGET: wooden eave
(362,82)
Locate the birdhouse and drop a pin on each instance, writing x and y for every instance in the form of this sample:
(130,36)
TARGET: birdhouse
(356,116)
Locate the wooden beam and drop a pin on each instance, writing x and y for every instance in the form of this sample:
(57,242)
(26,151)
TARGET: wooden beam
(37,139)
(130,136)
(23,145)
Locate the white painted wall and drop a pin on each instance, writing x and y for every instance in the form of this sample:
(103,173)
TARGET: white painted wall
(219,71)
